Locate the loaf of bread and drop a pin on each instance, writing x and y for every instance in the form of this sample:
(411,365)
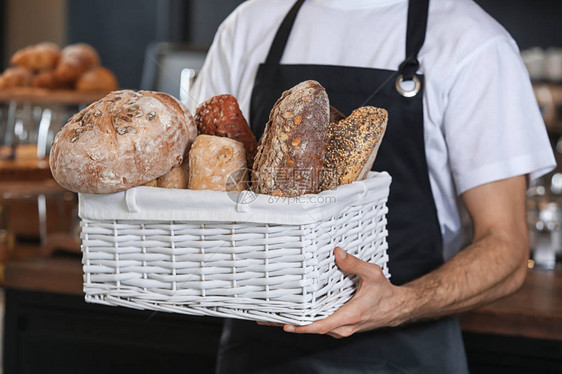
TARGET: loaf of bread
(178,177)
(37,57)
(97,79)
(15,77)
(218,164)
(352,147)
(47,79)
(124,140)
(221,116)
(75,60)
(291,151)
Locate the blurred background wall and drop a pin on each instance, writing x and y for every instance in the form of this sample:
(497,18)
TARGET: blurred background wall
(121,30)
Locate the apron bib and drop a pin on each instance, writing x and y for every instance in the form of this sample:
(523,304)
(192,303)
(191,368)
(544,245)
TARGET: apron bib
(414,240)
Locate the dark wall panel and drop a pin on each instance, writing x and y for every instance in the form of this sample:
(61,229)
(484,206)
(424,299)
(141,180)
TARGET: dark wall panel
(119,30)
(205,17)
(532,23)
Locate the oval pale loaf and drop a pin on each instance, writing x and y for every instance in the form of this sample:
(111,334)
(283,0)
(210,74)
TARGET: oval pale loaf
(124,140)
(218,164)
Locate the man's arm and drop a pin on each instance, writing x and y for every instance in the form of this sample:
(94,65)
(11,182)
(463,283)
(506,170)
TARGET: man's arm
(494,265)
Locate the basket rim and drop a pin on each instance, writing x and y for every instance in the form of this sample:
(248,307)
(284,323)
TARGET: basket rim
(158,204)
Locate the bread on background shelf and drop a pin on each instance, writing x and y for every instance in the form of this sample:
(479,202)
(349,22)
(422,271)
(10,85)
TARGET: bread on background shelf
(46,66)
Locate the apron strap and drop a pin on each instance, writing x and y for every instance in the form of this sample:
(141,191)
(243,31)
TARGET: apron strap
(278,45)
(415,36)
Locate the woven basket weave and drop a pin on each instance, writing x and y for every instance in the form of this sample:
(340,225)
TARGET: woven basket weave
(270,259)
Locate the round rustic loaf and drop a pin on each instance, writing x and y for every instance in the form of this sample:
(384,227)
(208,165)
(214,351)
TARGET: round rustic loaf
(124,140)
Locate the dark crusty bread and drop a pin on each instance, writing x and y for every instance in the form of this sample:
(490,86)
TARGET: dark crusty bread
(97,79)
(353,143)
(75,60)
(124,140)
(221,116)
(291,151)
(37,57)
(217,163)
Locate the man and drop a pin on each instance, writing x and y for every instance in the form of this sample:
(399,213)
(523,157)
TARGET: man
(463,127)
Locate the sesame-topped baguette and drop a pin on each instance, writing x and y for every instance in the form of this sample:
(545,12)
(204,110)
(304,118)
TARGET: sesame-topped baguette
(353,143)
(291,151)
(124,140)
(221,116)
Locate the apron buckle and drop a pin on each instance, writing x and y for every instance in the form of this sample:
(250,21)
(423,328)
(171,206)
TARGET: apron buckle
(408,93)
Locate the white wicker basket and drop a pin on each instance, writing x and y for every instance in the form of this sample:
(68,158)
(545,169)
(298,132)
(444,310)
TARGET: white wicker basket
(211,253)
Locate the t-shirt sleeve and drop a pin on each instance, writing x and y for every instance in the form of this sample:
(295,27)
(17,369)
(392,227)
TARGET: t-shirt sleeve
(492,123)
(215,75)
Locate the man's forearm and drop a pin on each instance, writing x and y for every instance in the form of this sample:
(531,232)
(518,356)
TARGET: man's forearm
(490,268)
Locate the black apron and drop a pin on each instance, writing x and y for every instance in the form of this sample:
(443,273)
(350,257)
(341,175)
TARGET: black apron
(415,242)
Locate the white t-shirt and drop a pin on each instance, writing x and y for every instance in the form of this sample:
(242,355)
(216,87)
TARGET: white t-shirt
(481,120)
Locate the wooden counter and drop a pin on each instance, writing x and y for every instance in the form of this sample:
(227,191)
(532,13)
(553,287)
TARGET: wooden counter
(535,311)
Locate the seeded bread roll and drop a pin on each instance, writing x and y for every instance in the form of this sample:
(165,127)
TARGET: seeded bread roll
(75,60)
(37,57)
(97,79)
(353,143)
(221,116)
(15,77)
(218,164)
(124,140)
(291,151)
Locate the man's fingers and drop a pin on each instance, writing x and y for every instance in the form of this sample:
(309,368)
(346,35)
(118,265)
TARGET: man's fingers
(352,264)
(343,316)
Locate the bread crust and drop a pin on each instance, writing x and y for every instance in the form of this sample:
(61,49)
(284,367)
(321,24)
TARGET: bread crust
(221,116)
(124,140)
(218,164)
(15,77)
(291,151)
(75,60)
(352,145)
(97,79)
(37,57)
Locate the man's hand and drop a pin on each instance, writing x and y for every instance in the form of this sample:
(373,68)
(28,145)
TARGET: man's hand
(376,303)
(494,265)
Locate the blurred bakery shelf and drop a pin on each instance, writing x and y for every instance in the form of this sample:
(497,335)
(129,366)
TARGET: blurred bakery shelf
(35,211)
(41,96)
